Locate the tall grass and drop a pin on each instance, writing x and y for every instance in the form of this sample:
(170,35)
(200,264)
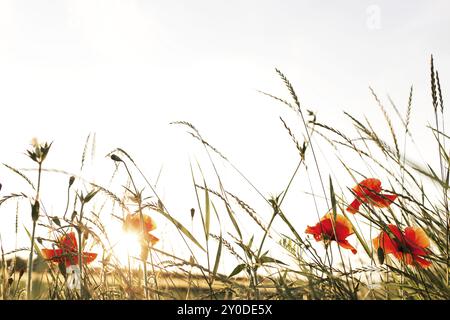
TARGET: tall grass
(294,265)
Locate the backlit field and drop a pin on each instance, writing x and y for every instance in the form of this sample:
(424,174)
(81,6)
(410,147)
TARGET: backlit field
(384,235)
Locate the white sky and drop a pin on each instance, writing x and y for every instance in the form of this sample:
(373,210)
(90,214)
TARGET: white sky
(125,69)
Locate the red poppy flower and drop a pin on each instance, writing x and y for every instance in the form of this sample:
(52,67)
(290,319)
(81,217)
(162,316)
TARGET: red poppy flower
(324,230)
(368,191)
(409,246)
(67,251)
(132,223)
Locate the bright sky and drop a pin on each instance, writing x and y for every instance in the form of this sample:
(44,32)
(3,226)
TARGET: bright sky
(125,69)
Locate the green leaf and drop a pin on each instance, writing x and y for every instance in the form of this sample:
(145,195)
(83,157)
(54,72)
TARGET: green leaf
(207,212)
(333,200)
(266,259)
(89,196)
(250,242)
(180,227)
(233,220)
(35,246)
(248,252)
(360,238)
(219,252)
(237,270)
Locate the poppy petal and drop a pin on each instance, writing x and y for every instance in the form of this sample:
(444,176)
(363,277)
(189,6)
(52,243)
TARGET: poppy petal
(384,242)
(151,238)
(372,184)
(395,231)
(52,254)
(417,237)
(407,258)
(342,231)
(344,222)
(345,244)
(354,206)
(149,223)
(68,242)
(422,262)
(367,185)
(382,200)
(72,258)
(315,231)
(132,223)
(88,257)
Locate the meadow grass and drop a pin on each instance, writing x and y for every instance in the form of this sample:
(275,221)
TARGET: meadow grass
(300,267)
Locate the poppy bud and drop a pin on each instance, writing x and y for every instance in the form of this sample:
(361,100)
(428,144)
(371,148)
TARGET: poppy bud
(116,158)
(62,269)
(380,253)
(56,221)
(192,213)
(35,211)
(71,181)
(74,214)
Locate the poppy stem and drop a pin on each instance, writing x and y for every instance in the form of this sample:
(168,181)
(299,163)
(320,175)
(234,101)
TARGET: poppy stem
(34,216)
(80,262)
(141,217)
(30,263)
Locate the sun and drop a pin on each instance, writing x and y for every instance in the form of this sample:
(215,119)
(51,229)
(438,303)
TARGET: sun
(126,248)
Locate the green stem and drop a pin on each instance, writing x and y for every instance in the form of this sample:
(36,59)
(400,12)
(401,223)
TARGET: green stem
(141,217)
(33,231)
(30,263)
(80,262)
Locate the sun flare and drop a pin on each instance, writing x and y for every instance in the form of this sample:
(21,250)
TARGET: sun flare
(128,247)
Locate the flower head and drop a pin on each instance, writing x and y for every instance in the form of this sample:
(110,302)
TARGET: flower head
(67,251)
(368,191)
(330,228)
(409,246)
(132,223)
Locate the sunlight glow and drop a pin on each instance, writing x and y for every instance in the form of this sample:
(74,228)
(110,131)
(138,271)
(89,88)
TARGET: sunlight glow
(127,247)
